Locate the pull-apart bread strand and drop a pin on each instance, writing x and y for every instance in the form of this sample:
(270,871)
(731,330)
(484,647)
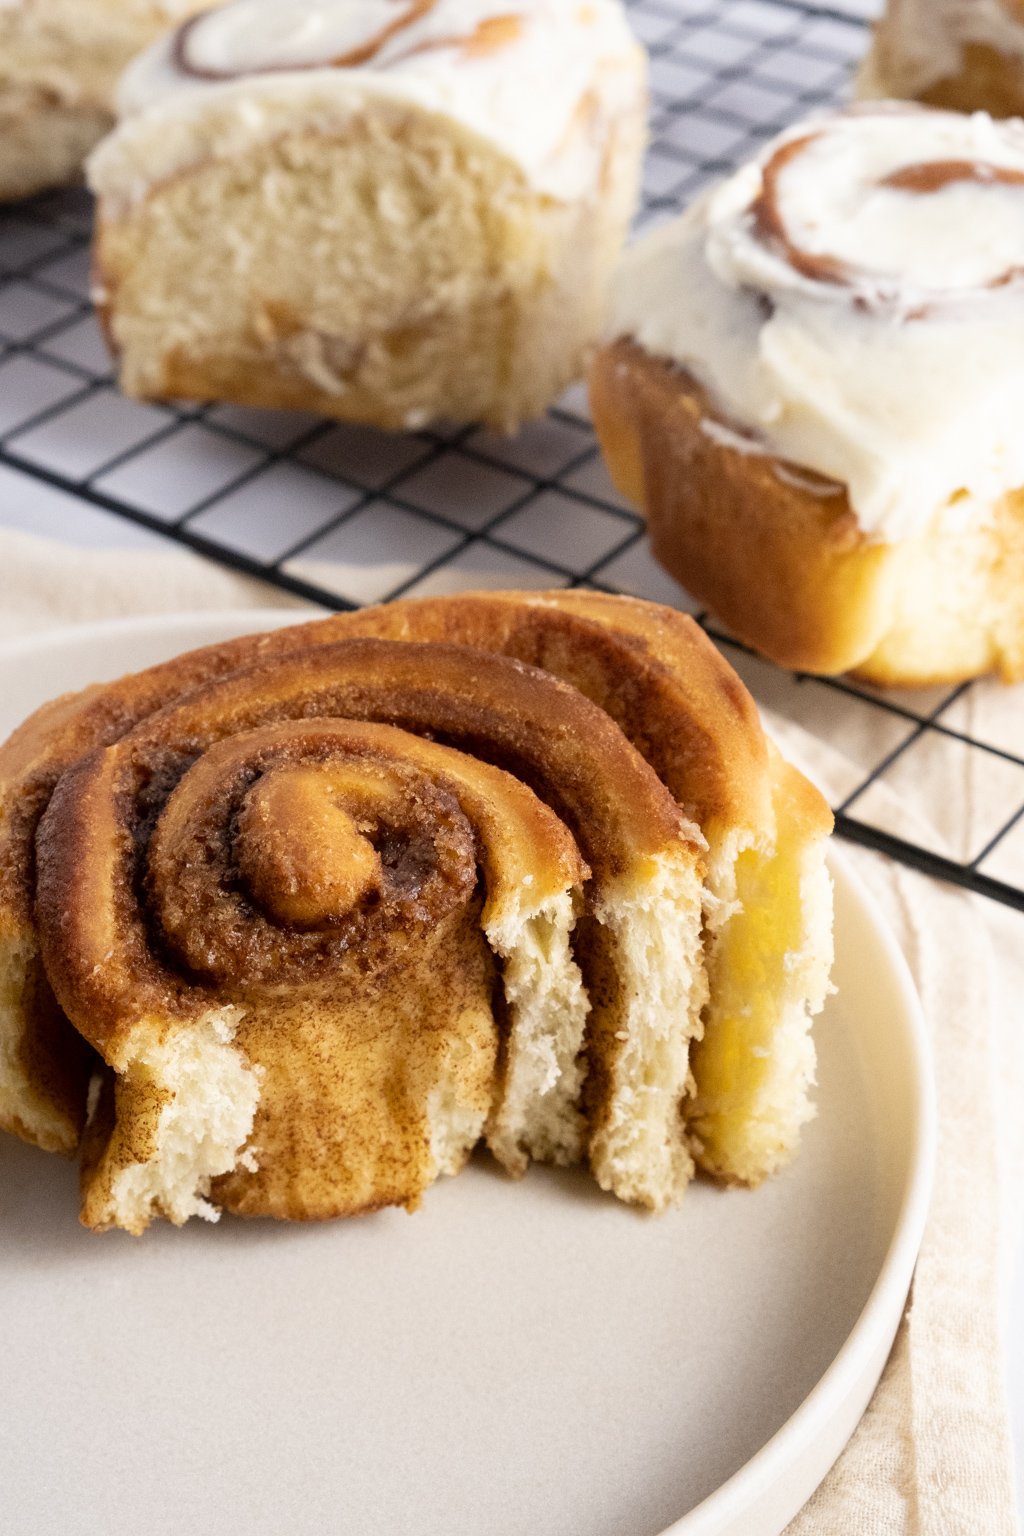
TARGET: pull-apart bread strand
(350,896)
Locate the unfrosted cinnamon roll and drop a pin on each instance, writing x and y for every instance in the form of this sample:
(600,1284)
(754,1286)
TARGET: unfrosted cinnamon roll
(388,212)
(814,391)
(59,64)
(963,54)
(197,842)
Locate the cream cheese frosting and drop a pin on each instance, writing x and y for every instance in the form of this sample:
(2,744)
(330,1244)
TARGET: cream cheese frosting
(539,79)
(929,36)
(854,302)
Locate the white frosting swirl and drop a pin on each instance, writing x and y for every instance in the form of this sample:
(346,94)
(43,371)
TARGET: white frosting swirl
(540,79)
(250,37)
(855,299)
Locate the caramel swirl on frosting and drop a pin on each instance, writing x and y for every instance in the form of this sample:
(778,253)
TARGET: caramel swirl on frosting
(852,302)
(215,46)
(858,267)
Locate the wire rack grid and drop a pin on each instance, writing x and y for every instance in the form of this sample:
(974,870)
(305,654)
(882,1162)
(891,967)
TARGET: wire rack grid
(345,516)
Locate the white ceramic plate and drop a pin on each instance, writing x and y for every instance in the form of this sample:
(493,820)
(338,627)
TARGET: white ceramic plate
(527,1359)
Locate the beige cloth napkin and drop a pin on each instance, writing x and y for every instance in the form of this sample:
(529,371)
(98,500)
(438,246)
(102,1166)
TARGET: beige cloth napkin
(932,1456)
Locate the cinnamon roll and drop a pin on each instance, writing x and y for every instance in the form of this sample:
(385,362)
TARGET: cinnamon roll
(813,389)
(388,213)
(59,64)
(963,54)
(550,823)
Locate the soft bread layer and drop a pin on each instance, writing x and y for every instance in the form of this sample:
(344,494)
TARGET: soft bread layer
(777,553)
(638,1147)
(539,1113)
(43,141)
(392,272)
(59,63)
(189,1097)
(769,972)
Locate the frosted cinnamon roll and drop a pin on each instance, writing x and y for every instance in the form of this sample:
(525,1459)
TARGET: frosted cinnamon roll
(59,65)
(963,54)
(814,390)
(386,212)
(702,936)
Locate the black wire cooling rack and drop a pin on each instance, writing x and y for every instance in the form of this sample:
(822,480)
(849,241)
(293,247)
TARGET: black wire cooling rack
(345,516)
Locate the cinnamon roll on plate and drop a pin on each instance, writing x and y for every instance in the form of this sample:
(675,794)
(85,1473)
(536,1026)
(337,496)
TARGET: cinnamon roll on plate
(814,389)
(389,212)
(964,54)
(290,924)
(59,65)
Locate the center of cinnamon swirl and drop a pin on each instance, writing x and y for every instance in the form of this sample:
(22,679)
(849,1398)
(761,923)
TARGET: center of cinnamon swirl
(279,850)
(305,858)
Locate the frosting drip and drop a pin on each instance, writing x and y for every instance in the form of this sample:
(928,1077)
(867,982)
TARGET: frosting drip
(540,79)
(854,300)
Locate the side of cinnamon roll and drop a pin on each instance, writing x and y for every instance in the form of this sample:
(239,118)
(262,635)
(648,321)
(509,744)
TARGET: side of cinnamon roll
(703,954)
(813,390)
(59,65)
(967,55)
(388,213)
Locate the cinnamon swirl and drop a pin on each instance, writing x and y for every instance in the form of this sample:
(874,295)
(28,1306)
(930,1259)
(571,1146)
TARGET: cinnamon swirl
(271,849)
(390,212)
(963,54)
(59,64)
(814,388)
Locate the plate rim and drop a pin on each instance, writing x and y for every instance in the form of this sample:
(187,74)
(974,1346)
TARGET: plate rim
(853,1374)
(851,1377)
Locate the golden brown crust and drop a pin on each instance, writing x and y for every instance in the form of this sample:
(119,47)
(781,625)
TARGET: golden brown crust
(760,551)
(650,668)
(776,551)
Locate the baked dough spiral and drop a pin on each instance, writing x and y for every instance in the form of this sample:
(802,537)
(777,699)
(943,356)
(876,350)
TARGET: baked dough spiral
(206,840)
(222,867)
